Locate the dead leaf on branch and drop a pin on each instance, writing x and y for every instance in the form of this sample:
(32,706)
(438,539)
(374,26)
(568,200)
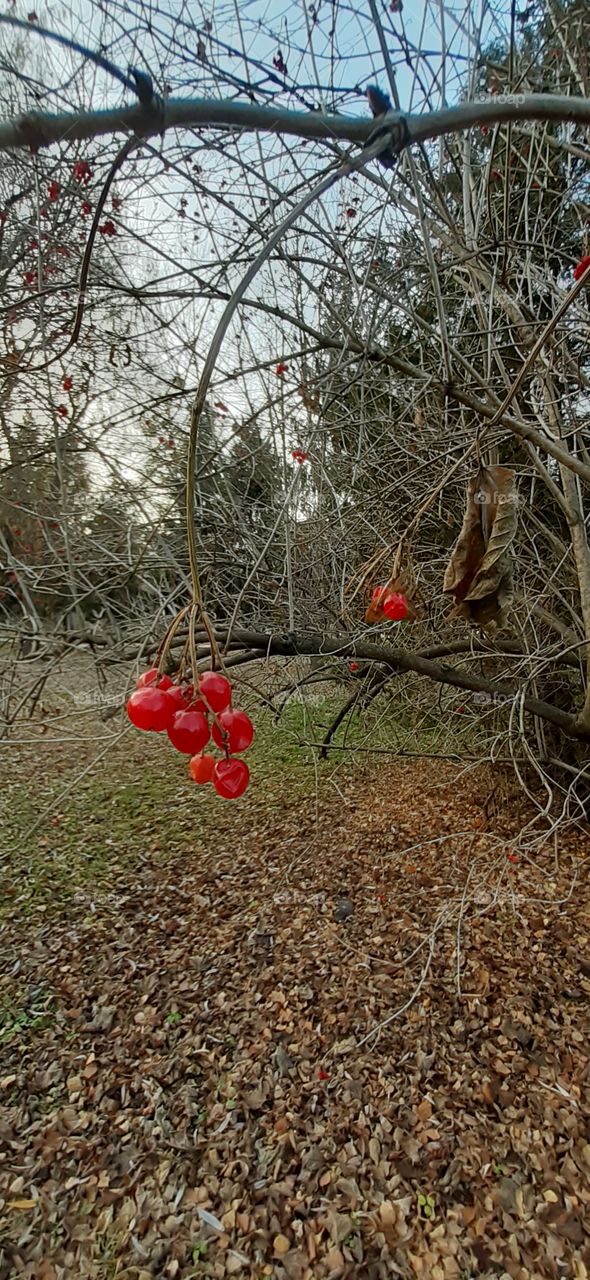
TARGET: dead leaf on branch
(479,573)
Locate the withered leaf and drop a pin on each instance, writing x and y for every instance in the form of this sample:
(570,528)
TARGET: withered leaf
(479,573)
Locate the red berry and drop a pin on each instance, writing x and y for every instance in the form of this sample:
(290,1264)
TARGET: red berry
(233,731)
(230,778)
(54,190)
(29,277)
(34,244)
(62,410)
(201,768)
(178,698)
(395,607)
(215,689)
(189,732)
(150,709)
(193,700)
(581,268)
(150,677)
(86,208)
(280,369)
(351,213)
(354,666)
(67,383)
(108,228)
(82,171)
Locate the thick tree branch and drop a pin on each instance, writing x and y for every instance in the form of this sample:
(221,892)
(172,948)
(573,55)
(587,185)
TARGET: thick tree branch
(39,130)
(302,643)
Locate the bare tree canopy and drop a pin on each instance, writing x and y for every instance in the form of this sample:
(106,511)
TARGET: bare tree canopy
(331,287)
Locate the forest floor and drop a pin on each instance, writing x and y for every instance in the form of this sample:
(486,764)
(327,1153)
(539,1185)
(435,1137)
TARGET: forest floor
(336,1029)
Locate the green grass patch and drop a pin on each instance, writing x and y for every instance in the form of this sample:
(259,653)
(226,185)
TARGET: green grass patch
(139,804)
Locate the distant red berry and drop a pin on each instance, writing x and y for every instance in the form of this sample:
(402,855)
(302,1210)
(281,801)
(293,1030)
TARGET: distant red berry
(29,277)
(322,1075)
(512,857)
(299,455)
(82,172)
(379,597)
(86,208)
(53,190)
(34,244)
(32,17)
(68,383)
(354,666)
(280,369)
(62,409)
(116,203)
(395,607)
(230,778)
(351,213)
(581,268)
(108,228)
(170,444)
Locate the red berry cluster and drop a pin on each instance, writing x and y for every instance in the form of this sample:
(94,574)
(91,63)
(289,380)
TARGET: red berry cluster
(393,604)
(299,455)
(82,172)
(191,717)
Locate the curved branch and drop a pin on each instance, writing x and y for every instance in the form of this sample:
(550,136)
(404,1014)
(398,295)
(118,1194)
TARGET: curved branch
(38,130)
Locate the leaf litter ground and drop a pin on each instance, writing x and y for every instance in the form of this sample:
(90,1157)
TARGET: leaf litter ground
(332,1033)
